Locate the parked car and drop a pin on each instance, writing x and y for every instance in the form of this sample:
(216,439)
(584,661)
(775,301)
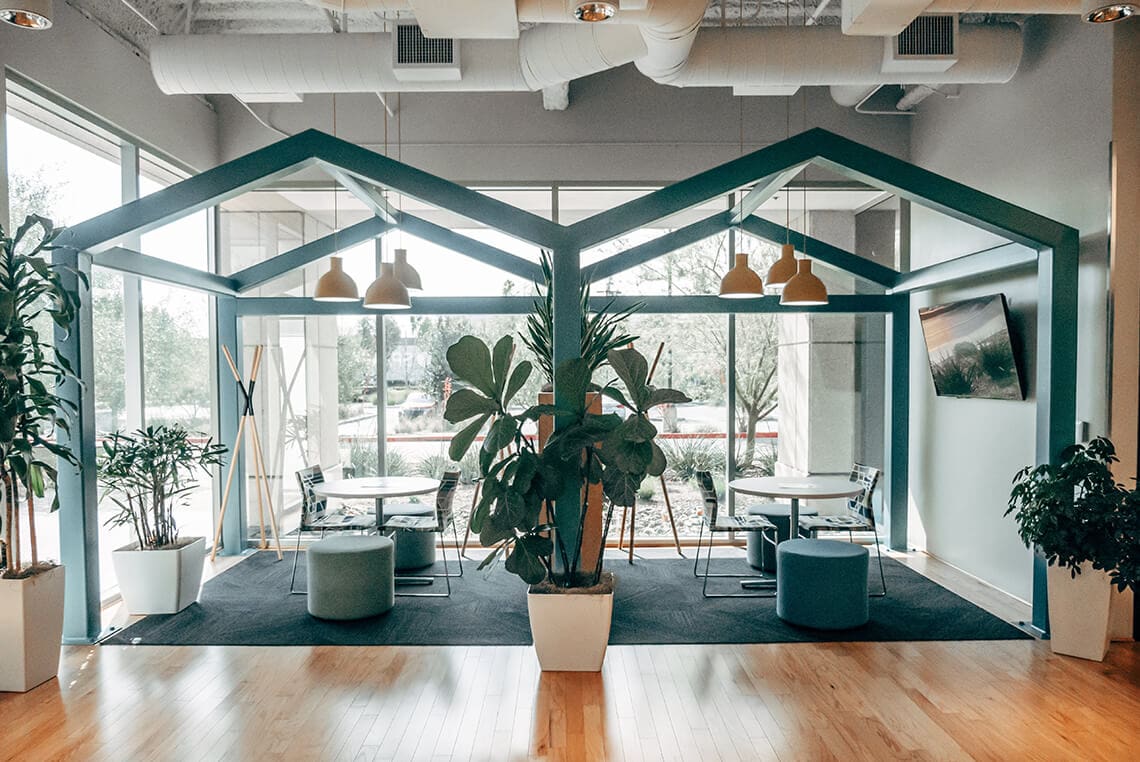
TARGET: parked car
(416,404)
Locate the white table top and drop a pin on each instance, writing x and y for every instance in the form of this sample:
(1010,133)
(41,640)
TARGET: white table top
(376,487)
(799,487)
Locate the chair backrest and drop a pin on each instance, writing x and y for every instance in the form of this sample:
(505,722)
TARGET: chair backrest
(708,494)
(445,496)
(860,505)
(312,507)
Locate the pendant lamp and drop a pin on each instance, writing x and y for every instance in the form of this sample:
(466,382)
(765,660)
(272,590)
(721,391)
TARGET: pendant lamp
(336,285)
(783,269)
(1102,12)
(387,292)
(595,11)
(407,274)
(26,14)
(804,289)
(741,282)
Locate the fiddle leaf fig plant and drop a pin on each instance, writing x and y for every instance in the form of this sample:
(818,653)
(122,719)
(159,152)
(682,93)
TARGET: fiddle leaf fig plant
(519,506)
(1075,511)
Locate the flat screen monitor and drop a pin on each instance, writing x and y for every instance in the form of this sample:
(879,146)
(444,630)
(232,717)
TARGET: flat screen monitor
(970,351)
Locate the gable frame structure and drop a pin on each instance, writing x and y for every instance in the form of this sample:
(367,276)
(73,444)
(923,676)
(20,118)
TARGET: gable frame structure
(1051,246)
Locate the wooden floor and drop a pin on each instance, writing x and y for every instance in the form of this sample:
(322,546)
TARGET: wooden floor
(1002,701)
(1006,700)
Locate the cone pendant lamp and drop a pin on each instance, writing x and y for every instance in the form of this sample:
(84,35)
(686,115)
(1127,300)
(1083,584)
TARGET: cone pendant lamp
(783,269)
(387,292)
(804,289)
(741,282)
(407,274)
(336,285)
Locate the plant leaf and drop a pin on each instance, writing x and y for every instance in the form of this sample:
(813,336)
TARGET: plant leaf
(470,360)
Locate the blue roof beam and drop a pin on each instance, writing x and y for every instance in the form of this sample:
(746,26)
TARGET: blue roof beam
(153,268)
(469,247)
(369,195)
(852,264)
(284,263)
(761,192)
(1009,256)
(650,250)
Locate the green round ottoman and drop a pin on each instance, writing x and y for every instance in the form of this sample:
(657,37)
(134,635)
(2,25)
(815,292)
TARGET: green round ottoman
(414,550)
(822,583)
(351,577)
(761,554)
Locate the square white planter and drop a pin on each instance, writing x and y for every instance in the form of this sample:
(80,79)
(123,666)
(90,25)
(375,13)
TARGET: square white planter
(571,630)
(1078,612)
(160,581)
(31,628)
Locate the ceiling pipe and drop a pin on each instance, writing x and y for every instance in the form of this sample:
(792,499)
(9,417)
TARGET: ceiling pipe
(356,63)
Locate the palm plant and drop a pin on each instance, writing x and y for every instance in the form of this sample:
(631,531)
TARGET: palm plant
(32,297)
(601,330)
(148,474)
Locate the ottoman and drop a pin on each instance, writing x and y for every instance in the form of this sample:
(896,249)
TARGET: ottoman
(351,577)
(414,550)
(822,583)
(761,555)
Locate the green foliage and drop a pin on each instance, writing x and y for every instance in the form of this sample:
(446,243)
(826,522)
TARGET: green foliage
(433,336)
(646,492)
(1075,511)
(31,411)
(148,474)
(601,330)
(363,457)
(686,456)
(434,467)
(521,498)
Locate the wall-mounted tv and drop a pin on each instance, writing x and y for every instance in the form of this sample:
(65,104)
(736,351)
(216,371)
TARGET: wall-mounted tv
(970,351)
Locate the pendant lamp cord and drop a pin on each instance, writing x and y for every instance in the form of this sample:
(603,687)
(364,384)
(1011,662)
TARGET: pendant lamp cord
(805,18)
(336,208)
(788,134)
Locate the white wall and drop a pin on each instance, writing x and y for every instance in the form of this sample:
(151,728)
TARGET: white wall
(620,127)
(1041,142)
(80,62)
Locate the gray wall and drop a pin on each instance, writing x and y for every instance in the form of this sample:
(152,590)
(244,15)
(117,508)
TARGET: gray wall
(620,127)
(1041,142)
(80,62)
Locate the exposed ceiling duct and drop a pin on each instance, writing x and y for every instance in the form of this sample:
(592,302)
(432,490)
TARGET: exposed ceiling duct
(362,63)
(883,18)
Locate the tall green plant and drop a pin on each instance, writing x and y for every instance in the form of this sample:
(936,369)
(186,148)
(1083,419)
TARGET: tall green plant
(32,294)
(1075,511)
(148,474)
(519,505)
(601,330)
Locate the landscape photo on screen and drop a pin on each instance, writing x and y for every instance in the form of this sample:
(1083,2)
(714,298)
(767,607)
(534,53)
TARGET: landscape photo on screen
(970,351)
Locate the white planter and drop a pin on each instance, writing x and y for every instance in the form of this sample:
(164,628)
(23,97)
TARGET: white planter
(571,630)
(31,628)
(160,581)
(1078,612)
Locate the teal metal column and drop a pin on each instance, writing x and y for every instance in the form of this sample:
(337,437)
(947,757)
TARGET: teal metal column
(1056,378)
(566,289)
(78,494)
(234,528)
(896,434)
(381,383)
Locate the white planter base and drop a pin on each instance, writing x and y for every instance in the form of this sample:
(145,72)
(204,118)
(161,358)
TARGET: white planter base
(31,628)
(570,630)
(1078,612)
(160,581)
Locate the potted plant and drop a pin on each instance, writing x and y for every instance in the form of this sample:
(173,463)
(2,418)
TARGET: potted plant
(147,475)
(570,603)
(32,299)
(1085,524)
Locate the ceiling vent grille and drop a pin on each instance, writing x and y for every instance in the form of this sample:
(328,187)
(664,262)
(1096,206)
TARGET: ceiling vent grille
(416,58)
(927,36)
(928,44)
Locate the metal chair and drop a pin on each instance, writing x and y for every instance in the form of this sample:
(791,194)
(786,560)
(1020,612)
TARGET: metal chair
(443,517)
(714,523)
(860,516)
(315,516)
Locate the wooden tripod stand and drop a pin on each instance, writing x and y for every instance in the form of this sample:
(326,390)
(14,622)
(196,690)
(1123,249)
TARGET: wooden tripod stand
(260,478)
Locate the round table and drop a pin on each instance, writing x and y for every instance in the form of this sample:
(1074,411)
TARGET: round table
(376,488)
(796,488)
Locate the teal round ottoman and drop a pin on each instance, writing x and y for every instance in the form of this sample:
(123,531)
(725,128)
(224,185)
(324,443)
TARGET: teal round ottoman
(414,550)
(761,554)
(822,584)
(351,577)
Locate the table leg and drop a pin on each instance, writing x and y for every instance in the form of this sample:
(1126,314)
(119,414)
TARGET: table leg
(794,519)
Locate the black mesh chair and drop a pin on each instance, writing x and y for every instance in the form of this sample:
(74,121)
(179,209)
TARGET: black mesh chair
(713,522)
(439,521)
(316,517)
(860,516)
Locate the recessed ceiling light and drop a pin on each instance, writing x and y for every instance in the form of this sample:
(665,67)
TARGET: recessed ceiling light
(1100,12)
(26,14)
(596,11)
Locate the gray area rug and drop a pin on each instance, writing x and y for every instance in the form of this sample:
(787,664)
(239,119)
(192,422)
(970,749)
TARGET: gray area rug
(657,601)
